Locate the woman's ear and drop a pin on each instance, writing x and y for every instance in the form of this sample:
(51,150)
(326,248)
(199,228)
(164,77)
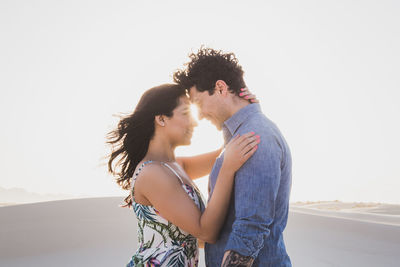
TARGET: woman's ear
(160,120)
(221,88)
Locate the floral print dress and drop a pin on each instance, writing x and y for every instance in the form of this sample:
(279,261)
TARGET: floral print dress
(162,243)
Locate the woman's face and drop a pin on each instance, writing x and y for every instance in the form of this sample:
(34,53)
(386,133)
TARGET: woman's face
(180,126)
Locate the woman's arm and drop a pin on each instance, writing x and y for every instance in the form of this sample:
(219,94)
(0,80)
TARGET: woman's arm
(159,186)
(200,165)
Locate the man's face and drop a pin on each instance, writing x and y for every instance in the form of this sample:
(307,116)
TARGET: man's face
(209,106)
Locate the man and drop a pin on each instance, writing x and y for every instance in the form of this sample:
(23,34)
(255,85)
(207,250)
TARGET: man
(258,212)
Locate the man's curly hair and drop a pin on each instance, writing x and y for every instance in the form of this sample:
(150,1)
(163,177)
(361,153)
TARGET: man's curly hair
(208,66)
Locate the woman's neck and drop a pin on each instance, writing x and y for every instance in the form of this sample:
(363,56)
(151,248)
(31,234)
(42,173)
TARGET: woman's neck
(160,150)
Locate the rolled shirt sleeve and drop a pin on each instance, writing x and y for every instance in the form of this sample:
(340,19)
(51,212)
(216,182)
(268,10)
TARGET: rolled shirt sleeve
(256,187)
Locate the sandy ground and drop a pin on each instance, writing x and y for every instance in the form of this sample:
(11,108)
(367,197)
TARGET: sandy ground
(95,232)
(323,236)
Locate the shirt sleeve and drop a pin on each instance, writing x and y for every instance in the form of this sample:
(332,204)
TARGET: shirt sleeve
(255,192)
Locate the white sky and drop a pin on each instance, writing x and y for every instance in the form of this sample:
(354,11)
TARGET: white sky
(327,72)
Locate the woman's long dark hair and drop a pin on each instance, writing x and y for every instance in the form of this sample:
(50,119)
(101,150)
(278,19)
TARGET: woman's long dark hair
(130,141)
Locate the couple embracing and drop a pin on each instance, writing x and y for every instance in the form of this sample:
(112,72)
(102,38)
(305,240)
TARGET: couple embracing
(249,178)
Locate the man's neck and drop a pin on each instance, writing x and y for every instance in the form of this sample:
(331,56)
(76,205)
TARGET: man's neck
(237,104)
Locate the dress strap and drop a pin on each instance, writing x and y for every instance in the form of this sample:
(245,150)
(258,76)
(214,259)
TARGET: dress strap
(140,169)
(163,163)
(136,175)
(172,169)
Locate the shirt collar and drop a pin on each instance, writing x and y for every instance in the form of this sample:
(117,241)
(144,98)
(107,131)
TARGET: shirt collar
(232,124)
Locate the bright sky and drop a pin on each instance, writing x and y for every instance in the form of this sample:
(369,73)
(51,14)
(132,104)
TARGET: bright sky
(327,72)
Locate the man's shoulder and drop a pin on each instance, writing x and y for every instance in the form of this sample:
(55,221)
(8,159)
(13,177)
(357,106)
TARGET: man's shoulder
(266,129)
(258,123)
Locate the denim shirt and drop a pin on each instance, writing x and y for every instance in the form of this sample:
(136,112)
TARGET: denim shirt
(258,210)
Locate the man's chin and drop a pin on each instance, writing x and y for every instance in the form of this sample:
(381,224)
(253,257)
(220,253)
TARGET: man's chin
(218,126)
(186,143)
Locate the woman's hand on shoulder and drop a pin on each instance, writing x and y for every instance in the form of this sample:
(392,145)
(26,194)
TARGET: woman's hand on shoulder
(239,150)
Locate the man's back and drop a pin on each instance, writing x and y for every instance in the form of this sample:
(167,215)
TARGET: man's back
(258,211)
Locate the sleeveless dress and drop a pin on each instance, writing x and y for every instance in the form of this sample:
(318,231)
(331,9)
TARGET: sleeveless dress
(162,243)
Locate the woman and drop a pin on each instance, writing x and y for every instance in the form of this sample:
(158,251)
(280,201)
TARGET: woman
(168,206)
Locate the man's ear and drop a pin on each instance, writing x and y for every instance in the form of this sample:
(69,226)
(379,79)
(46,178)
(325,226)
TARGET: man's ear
(160,120)
(221,88)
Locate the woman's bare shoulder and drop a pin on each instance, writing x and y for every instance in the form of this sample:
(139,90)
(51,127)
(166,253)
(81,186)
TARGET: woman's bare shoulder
(155,175)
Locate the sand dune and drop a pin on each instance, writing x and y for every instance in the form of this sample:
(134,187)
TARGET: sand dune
(388,214)
(326,240)
(81,232)
(20,195)
(96,232)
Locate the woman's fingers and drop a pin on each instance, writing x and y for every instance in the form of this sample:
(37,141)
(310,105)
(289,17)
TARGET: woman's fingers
(244,139)
(250,153)
(248,140)
(253,98)
(249,146)
(235,139)
(243,144)
(239,149)
(246,94)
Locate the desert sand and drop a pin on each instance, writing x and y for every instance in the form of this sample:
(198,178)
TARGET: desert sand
(96,232)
